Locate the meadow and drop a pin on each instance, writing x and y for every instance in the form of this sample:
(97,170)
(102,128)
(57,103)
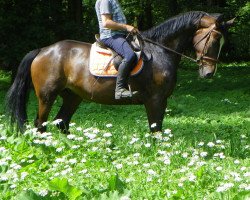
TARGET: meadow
(203,152)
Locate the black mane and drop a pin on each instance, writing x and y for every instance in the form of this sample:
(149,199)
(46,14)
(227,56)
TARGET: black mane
(175,25)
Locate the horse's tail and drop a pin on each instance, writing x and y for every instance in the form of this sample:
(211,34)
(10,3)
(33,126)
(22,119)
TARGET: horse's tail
(18,93)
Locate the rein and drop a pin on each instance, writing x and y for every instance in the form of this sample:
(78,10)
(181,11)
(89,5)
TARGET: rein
(202,56)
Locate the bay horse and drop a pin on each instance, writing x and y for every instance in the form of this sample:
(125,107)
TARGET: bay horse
(62,69)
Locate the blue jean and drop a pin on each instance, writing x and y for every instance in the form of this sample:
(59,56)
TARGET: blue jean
(120,45)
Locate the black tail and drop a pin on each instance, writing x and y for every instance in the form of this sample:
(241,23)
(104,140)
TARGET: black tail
(17,95)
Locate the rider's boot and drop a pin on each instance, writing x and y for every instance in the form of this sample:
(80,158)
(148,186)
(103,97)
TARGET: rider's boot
(121,90)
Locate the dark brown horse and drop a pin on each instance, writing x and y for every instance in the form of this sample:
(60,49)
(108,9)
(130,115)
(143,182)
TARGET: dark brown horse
(62,69)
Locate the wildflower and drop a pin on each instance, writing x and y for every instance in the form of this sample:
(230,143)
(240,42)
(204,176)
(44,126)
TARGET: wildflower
(136,155)
(125,198)
(133,140)
(224,187)
(180,184)
(3,138)
(185,155)
(146,165)
(43,193)
(247,174)
(13,186)
(201,144)
(107,135)
(153,125)
(218,141)
(236,162)
(147,135)
(201,163)
(72,161)
(210,144)
(72,124)
(151,172)
(203,154)
(148,145)
(109,125)
(23,175)
(71,136)
(219,168)
(167,131)
(243,168)
(59,149)
(84,171)
(119,166)
(57,121)
(83,160)
(166,160)
(75,147)
(45,123)
(79,129)
(103,170)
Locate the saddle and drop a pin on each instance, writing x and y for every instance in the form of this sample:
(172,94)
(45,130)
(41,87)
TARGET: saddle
(104,61)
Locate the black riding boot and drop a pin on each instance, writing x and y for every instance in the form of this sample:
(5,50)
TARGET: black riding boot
(121,90)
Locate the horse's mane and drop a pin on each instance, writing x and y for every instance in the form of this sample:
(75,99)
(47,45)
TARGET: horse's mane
(175,25)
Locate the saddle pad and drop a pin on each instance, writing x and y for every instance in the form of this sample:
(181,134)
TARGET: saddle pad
(99,59)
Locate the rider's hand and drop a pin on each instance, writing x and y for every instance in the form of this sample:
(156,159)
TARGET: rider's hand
(132,29)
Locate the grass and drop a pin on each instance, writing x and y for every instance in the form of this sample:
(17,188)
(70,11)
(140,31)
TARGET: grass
(202,154)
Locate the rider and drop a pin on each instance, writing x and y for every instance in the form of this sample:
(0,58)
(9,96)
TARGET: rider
(113,28)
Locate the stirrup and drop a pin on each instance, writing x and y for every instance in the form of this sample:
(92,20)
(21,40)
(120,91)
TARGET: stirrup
(124,93)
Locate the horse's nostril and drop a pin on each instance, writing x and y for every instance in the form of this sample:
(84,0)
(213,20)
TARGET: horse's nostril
(208,75)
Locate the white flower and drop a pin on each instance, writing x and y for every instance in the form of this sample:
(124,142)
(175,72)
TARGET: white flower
(13,186)
(201,144)
(2,149)
(218,141)
(107,135)
(79,128)
(75,147)
(236,162)
(133,140)
(203,154)
(247,174)
(45,123)
(57,121)
(83,171)
(71,136)
(148,145)
(72,161)
(125,198)
(152,172)
(43,193)
(185,155)
(191,177)
(219,168)
(3,138)
(167,131)
(243,168)
(118,166)
(83,160)
(224,187)
(153,125)
(59,149)
(109,125)
(210,144)
(72,124)
(23,175)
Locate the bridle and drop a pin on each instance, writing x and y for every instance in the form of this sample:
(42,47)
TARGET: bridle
(202,55)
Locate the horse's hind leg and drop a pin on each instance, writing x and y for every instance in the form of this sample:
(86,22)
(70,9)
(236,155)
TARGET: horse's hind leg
(45,103)
(71,102)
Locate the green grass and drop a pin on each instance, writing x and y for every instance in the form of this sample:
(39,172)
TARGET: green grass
(203,154)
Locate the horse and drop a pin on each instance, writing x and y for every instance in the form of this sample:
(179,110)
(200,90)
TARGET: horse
(62,69)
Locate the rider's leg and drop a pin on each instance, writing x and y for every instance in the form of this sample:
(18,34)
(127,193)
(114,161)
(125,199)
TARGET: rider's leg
(121,46)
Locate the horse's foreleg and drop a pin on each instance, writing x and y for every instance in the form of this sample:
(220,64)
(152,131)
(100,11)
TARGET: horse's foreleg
(71,102)
(155,108)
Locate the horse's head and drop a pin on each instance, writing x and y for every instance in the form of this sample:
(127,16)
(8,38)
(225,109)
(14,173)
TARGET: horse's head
(208,41)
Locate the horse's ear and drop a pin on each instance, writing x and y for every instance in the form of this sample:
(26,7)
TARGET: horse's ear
(229,23)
